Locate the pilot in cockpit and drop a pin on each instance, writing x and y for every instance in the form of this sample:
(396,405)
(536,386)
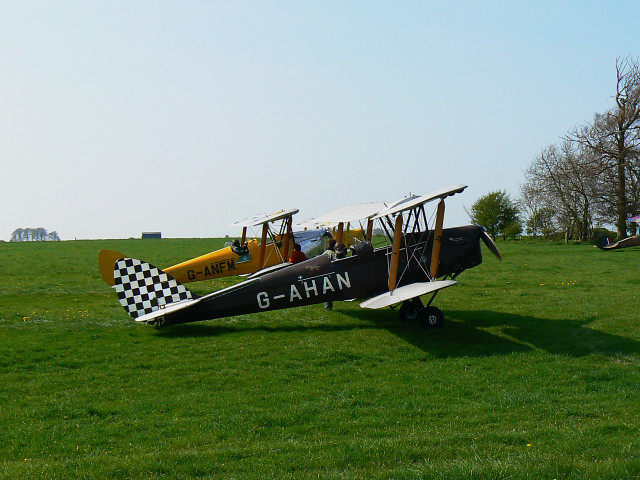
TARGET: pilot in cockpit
(239,249)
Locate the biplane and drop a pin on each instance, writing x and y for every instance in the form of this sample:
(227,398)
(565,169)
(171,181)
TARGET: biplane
(241,256)
(414,261)
(605,243)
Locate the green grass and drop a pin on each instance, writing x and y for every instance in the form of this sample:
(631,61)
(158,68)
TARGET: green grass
(536,374)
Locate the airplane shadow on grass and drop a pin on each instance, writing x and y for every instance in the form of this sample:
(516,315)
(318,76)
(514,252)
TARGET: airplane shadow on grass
(209,329)
(473,333)
(484,333)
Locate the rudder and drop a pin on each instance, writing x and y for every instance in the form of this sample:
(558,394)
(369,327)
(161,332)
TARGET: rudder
(106,262)
(143,288)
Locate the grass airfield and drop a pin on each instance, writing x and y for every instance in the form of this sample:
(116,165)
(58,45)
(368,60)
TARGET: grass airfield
(535,374)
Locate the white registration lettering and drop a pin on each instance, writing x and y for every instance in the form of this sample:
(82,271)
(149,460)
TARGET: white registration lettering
(343,280)
(294,294)
(326,286)
(263,300)
(311,288)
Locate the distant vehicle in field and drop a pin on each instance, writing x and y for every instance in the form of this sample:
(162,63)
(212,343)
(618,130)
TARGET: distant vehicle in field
(414,261)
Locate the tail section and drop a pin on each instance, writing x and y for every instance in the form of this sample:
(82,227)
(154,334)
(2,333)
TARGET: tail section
(145,290)
(106,262)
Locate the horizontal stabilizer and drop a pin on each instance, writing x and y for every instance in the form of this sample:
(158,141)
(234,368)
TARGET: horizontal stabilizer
(171,308)
(407,292)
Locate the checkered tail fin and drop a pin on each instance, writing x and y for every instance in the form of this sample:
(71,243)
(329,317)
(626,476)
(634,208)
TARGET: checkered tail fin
(144,289)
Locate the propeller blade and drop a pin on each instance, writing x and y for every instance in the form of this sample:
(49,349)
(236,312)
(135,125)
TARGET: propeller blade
(471,217)
(491,245)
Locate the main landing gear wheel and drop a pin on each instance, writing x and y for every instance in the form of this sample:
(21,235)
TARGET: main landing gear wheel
(432,317)
(410,310)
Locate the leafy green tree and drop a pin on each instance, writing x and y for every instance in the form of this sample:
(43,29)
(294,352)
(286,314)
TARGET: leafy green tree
(496,212)
(541,222)
(513,230)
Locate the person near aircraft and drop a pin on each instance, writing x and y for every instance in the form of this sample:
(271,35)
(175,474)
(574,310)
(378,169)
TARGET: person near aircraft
(239,249)
(341,250)
(298,255)
(331,253)
(331,249)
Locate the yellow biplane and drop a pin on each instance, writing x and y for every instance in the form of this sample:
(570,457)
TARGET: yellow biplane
(245,256)
(240,257)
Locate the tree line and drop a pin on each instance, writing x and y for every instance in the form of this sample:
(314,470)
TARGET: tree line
(590,178)
(33,235)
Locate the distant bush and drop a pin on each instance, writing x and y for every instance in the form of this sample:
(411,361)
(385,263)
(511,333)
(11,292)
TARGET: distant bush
(34,235)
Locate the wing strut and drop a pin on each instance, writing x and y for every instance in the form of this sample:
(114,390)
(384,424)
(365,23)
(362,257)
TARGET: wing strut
(263,244)
(437,240)
(395,253)
(369,230)
(287,238)
(340,232)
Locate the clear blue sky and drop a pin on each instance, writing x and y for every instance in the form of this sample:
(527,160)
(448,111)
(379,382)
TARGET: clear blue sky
(120,117)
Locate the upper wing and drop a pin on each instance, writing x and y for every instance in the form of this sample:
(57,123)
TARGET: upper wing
(411,202)
(351,213)
(261,218)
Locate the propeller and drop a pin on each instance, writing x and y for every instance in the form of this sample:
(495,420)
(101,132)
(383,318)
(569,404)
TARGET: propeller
(471,217)
(486,238)
(488,241)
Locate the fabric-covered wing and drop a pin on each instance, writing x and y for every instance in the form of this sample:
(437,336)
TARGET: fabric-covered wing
(261,218)
(406,204)
(407,292)
(351,213)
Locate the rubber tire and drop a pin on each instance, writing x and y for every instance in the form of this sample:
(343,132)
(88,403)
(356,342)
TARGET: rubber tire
(432,317)
(409,311)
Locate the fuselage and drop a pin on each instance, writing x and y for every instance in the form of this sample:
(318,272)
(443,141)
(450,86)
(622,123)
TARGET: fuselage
(316,280)
(250,258)
(321,279)
(226,262)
